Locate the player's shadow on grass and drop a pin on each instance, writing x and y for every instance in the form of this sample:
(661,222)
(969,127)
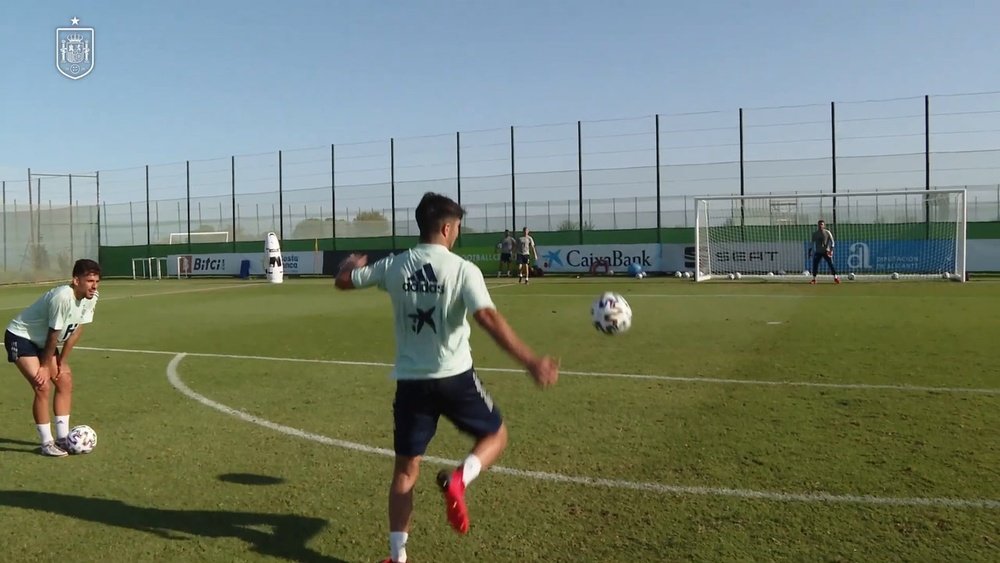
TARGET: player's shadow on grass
(250,479)
(287,536)
(27,447)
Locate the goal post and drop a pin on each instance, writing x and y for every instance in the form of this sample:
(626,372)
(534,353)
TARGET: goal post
(877,235)
(205,236)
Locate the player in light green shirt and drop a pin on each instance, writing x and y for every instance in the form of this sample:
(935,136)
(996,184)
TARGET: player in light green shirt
(506,248)
(433,291)
(32,341)
(525,250)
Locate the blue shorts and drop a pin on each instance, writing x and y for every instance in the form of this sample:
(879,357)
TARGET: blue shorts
(505,257)
(420,402)
(18,346)
(523,258)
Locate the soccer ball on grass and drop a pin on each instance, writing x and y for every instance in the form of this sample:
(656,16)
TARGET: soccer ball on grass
(611,313)
(81,440)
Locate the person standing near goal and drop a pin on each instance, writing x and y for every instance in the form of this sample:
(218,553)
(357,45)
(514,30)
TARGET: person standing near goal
(525,250)
(432,291)
(506,248)
(823,243)
(33,339)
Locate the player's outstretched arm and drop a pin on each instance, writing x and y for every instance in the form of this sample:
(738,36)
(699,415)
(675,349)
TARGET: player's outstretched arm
(347,267)
(543,369)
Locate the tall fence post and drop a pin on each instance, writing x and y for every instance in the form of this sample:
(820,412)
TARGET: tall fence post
(513,190)
(232,196)
(927,163)
(392,187)
(4,188)
(97,176)
(743,182)
(281,201)
(659,210)
(927,143)
(833,157)
(187,174)
(579,171)
(38,223)
(72,252)
(31,215)
(458,174)
(333,194)
(149,232)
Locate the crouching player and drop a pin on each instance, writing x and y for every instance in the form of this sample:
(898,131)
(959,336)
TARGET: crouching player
(33,339)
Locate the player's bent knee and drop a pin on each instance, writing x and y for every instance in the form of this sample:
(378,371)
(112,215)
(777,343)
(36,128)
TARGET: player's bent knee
(64,384)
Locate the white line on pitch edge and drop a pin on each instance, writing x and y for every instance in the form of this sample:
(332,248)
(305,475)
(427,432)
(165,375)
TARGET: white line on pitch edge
(711,380)
(175,380)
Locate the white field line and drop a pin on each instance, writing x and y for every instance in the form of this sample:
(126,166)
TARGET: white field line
(720,295)
(819,497)
(155,294)
(675,295)
(682,379)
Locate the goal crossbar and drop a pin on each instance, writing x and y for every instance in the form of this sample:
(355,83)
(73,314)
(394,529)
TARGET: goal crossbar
(184,237)
(830,195)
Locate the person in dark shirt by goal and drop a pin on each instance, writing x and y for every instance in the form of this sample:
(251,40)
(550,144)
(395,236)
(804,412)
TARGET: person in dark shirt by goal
(822,249)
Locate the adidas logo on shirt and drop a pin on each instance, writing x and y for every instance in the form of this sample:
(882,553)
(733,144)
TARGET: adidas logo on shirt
(423,281)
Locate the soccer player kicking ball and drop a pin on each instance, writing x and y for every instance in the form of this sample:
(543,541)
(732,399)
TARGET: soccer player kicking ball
(822,249)
(432,291)
(32,341)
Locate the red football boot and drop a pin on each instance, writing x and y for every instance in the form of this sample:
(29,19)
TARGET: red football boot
(454,499)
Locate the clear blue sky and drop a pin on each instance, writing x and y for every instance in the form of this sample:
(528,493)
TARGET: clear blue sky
(195,80)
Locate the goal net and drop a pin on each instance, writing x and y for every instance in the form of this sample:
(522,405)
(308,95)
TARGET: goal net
(877,235)
(211,236)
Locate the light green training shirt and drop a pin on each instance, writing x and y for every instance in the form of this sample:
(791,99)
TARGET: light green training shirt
(433,291)
(57,309)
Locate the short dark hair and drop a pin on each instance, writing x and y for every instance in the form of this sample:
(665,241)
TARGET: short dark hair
(84,267)
(433,211)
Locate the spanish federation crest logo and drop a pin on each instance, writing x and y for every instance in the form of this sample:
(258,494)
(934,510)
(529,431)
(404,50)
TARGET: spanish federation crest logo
(75,50)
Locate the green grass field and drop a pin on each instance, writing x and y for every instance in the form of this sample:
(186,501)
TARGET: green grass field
(734,422)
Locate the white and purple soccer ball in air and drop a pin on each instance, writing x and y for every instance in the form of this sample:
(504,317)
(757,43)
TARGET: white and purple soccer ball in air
(611,313)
